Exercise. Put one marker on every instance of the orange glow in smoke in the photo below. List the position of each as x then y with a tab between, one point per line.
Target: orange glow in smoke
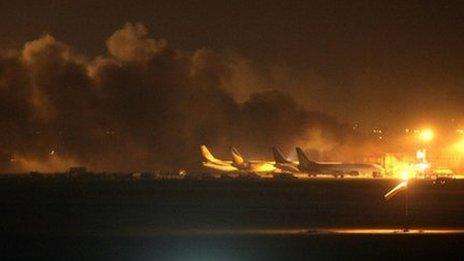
426	135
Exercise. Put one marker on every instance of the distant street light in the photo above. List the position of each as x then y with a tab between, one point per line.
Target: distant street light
426	135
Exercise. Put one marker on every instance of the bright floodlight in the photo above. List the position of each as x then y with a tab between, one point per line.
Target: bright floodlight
405	175
426	135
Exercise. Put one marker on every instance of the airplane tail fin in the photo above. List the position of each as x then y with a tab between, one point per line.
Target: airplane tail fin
278	156
206	154
236	156
304	161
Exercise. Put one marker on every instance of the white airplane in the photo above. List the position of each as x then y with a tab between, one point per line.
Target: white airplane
324	168
337	169
238	164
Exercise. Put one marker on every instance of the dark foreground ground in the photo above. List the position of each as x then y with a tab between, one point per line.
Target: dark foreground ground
226	220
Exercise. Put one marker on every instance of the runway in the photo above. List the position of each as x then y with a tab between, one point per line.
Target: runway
317	219
303	232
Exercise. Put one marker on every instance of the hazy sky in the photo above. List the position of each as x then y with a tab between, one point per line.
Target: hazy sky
372	61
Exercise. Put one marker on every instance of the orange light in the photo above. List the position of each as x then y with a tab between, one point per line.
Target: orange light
405	175
426	135
459	147
421	155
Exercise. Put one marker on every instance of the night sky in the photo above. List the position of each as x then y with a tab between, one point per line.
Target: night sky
378	63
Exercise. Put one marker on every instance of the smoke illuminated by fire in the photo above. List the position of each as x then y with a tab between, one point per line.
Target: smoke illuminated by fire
141	106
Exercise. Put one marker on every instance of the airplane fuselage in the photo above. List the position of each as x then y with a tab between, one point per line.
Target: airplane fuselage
288	167
256	166
351	169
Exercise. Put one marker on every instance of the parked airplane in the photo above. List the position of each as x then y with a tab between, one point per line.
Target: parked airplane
251	166
282	163
337	169
238	164
211	162
314	168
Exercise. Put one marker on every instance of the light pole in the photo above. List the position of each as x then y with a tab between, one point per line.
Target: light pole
403	186
425	137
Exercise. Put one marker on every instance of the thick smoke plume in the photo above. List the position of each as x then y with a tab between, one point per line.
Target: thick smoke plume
141	106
